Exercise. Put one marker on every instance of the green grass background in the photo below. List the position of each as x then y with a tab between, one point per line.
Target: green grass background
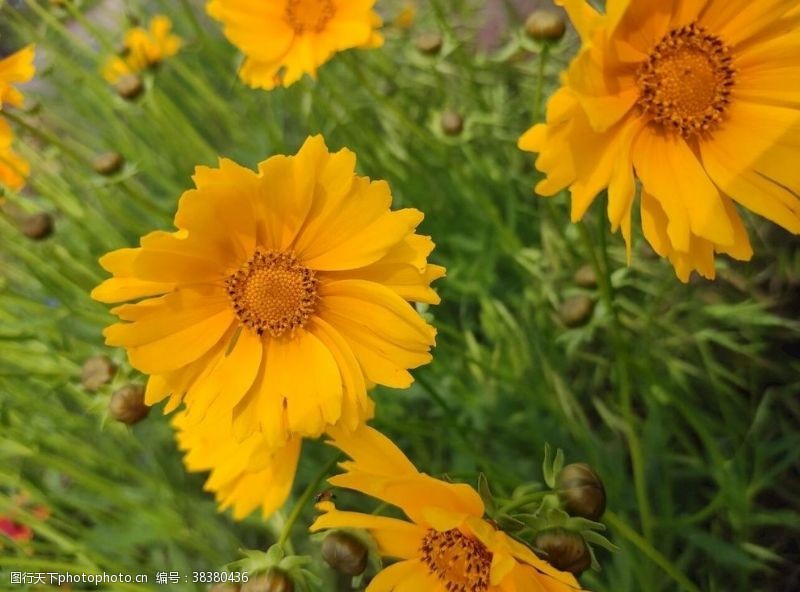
684	397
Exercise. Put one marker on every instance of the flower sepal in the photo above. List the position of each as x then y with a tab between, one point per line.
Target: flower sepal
273	564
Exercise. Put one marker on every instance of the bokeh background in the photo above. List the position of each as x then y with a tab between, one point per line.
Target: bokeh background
683	397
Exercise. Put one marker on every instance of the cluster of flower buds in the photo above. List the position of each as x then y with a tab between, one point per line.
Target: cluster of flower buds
560	523
273	571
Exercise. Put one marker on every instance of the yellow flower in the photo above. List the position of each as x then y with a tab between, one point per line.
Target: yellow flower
446	545
283	294
13	168
406	17
143	49
245	475
15	69
284	39
691	97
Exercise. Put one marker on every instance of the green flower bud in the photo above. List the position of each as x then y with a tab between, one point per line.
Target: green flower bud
581	491
344	553
108	163
225	588
452	123
564	550
576	310
97	371
127	404
129	87
37	226
545	25
275	580
585	277
429	43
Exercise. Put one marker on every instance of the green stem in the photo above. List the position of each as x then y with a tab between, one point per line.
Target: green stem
52	139
540	78
286	531
647	549
602	268
524	501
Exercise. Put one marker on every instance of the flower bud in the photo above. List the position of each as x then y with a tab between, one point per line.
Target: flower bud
545	25
97	371
37	226
576	310
564	550
127	404
129	87
344	553
429	43
585	277
108	163
225	588
452	123
581	491
274	580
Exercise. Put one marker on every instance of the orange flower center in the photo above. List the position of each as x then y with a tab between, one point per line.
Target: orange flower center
273	293
309	15
461	563
685	84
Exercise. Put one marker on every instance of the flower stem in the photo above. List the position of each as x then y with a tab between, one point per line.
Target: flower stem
537	98
286	531
524	501
602	268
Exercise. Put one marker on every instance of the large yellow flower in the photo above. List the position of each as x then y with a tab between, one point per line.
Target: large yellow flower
284	39
143	49
15	69
695	99
245	475
283	294
447	546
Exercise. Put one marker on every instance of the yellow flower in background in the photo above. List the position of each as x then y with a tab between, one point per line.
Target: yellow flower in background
245	475
694	99
13	168
143	49
281	297
446	545
284	39
17	68
406	17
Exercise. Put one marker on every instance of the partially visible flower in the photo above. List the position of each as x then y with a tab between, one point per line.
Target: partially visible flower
284	39
692	99
282	295
446	545
245	475
406	17
18	531
17	68
14	169
143	49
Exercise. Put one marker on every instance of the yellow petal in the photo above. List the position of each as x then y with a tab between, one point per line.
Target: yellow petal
672	174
